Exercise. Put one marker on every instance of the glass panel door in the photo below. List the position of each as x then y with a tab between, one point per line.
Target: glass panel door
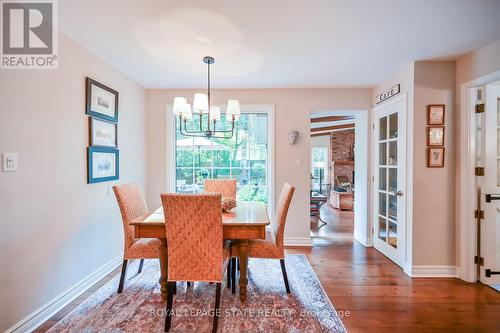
388	175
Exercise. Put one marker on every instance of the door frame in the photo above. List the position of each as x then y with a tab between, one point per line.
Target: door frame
407	156
468	184
362	170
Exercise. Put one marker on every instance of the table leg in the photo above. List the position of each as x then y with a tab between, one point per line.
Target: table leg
319	213
243	256
163	269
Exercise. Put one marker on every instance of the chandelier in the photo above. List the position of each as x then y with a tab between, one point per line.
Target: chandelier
203	109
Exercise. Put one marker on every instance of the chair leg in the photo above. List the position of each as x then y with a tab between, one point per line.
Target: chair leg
228	274
174	287
122	276
285	277
170	302
188	284
217	308
141	263
233	275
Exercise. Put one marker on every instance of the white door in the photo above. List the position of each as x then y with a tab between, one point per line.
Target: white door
389	140
490	187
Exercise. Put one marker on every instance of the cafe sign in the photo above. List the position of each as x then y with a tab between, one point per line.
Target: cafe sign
388	94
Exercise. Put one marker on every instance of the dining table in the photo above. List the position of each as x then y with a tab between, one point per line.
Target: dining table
247	221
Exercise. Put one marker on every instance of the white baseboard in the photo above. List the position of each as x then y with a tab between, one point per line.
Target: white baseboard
434	271
298	241
366	242
44	313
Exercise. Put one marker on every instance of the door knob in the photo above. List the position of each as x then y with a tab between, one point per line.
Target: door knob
398	193
491	197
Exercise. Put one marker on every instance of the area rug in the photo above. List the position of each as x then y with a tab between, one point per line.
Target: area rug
268	308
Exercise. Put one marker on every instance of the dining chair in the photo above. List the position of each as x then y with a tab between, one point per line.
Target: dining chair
133	205
225	187
196	251
272	247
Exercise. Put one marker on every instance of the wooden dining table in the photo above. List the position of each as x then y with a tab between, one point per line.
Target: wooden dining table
245	222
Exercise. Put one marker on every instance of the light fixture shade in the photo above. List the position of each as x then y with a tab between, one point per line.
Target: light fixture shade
215	113
200	103
179	105
188	115
233	109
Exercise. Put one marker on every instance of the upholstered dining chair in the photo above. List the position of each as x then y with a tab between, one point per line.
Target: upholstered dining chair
225	187
272	247
133	205
196	251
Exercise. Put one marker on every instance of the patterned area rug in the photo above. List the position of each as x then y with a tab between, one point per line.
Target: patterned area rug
268	308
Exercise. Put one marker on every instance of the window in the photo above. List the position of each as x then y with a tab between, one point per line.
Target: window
319	167
244	157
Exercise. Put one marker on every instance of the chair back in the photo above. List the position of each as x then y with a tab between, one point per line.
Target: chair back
282	211
132	205
194	236
225	187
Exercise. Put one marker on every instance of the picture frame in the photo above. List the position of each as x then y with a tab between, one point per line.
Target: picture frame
435	114
102	133
103	164
435	157
435	136
101	101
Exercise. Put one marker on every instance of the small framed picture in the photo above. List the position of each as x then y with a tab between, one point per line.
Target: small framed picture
102	133
435	114
101	101
435	157
102	164
435	136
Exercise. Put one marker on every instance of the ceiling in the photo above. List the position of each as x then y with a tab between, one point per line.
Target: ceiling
276	44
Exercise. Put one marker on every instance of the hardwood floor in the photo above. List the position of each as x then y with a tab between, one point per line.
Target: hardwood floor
374	295
381	298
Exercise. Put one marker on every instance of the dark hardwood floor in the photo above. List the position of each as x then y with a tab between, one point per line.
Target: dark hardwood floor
381	298
373	294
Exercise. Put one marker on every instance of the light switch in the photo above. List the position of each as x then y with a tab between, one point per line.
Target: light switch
299	162
9	162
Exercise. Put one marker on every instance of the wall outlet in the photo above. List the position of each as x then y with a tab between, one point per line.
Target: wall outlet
9	162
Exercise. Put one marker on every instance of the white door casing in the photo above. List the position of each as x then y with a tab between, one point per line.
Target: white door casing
490	185
389	169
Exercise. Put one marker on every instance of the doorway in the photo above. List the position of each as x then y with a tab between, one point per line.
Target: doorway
339	176
389	165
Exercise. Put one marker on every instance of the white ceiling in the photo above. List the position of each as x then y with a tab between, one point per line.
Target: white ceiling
280	43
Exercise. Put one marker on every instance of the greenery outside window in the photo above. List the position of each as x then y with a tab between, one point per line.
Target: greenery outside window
244	157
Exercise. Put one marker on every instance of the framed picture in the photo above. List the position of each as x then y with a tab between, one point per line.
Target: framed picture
101	101
435	157
102	164
102	133
435	114
435	136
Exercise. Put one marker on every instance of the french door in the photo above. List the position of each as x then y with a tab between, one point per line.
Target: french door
489	133
389	139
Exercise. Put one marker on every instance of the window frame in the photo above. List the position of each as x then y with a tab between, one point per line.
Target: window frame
268	109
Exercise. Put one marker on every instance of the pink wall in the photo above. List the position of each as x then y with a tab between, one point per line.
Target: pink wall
293	107
57	229
434	188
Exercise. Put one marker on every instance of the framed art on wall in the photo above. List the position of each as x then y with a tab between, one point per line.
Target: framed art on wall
435	136
102	133
435	114
102	164
101	101
435	157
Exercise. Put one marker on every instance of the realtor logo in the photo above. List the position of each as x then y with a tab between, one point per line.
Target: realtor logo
29	34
